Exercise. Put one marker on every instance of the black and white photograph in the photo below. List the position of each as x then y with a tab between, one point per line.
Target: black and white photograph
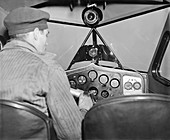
84	69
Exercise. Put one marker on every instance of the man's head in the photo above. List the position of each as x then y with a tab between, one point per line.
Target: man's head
29	24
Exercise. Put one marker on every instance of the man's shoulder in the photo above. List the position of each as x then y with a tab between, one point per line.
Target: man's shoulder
50	60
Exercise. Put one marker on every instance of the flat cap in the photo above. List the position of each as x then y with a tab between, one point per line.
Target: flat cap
25	19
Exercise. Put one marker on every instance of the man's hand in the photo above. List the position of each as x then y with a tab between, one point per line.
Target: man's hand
76	92
85	102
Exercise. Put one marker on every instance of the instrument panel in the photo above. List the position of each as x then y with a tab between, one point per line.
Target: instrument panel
104	82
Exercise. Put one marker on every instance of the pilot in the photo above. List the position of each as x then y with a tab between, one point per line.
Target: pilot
31	75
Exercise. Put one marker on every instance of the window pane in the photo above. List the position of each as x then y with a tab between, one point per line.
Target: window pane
165	65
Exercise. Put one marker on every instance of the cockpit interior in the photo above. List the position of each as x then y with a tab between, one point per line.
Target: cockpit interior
118	53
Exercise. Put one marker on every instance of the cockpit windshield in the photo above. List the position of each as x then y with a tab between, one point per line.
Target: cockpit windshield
95	53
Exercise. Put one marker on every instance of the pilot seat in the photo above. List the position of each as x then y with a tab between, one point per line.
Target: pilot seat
23	122
132	117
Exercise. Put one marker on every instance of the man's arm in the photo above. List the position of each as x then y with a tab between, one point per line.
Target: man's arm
63	108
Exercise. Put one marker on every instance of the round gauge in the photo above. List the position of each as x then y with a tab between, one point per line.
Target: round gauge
93	52
82	79
103	79
137	85
117	76
114	83
73	83
93	91
128	85
92	75
105	94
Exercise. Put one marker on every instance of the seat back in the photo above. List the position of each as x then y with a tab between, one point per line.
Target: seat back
18	121
135	117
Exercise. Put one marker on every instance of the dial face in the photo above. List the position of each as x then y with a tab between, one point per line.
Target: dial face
136	85
73	84
128	85
104	94
114	83
103	79
92	75
93	52
117	76
82	79
93	91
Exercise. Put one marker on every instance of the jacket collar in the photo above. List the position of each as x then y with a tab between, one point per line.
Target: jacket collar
20	44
